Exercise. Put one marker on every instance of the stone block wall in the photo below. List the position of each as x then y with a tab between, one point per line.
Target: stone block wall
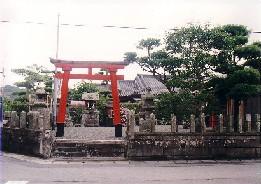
29	133
67	148
27	141
169	145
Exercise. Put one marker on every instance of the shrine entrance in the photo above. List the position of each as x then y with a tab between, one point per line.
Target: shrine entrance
67	66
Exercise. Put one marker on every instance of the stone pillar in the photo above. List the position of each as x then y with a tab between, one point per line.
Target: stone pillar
14	122
192	123
33	117
145	125
257	117
240	124
153	122
220	123
83	120
131	124
231	123
90	118
23	119
202	123
248	122
46	118
173	123
240	116
7	117
40	122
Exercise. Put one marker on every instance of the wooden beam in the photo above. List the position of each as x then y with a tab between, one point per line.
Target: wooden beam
88	64
88	76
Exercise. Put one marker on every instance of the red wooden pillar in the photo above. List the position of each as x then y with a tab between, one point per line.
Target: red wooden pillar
63	103
116	104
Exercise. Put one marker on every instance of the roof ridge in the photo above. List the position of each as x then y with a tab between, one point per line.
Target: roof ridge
142	81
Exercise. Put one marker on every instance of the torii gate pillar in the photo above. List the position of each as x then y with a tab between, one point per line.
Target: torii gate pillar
116	104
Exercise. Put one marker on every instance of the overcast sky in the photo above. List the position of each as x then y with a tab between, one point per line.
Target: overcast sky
23	44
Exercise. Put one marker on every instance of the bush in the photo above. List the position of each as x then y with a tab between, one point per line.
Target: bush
182	105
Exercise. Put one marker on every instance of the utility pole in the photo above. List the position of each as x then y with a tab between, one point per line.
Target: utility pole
55	91
2	97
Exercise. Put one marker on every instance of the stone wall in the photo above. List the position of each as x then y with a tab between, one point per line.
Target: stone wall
27	141
223	141
194	145
27	133
67	148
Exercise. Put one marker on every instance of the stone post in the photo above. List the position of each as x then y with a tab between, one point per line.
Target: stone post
231	123
23	119
257	117
248	122
192	123
47	117
220	123
240	116
33	117
173	123
14	122
144	126
7	117
40	122
202	123
240	124
131	124
153	122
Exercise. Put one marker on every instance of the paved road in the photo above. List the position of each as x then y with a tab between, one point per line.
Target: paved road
36	171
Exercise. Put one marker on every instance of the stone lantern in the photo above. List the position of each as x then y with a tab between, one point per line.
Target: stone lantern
90	116
147	106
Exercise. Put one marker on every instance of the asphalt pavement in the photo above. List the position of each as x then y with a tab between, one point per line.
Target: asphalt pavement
19	169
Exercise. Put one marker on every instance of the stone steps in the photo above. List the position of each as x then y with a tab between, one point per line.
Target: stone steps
70	148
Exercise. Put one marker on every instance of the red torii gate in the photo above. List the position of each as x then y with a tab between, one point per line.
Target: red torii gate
67	67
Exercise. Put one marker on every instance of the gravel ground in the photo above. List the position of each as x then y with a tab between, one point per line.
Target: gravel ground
104	133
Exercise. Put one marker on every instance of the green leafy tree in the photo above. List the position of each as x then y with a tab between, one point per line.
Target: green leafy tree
191	64
201	54
201	62
147	63
252	55
80	88
149	44
227	40
34	76
76	94
173	103
243	83
130	57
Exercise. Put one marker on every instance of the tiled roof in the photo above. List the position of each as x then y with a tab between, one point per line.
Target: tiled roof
103	87
137	86
149	81
127	87
141	84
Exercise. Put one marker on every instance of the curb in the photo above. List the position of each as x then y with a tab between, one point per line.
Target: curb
64	160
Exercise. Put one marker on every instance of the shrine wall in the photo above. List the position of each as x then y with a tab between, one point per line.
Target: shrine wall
29	133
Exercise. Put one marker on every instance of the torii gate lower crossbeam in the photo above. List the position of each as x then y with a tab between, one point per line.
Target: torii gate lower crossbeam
67	67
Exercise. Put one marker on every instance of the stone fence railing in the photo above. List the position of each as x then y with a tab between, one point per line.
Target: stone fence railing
229	139
36	120
223	126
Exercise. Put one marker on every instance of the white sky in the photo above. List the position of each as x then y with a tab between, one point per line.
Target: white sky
24	44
